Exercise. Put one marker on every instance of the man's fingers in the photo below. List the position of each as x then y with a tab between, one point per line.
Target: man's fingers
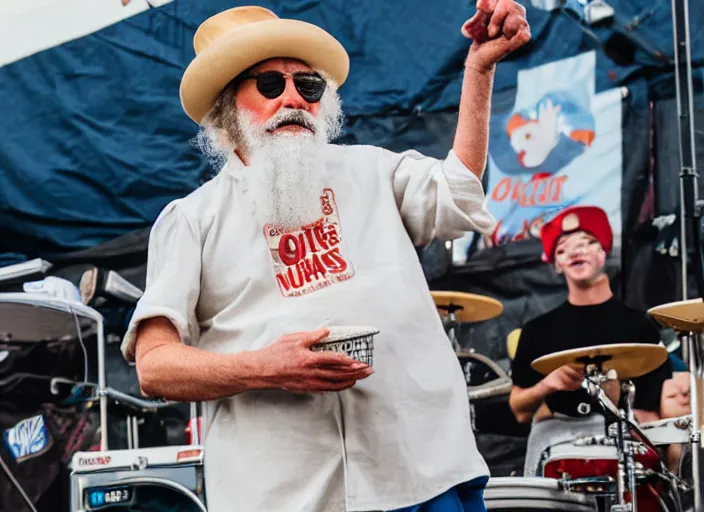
513	24
338	386
474	25
317	386
486	6
522	37
344	375
498	17
308	339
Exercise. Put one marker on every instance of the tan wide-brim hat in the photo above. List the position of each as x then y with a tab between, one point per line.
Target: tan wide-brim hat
235	40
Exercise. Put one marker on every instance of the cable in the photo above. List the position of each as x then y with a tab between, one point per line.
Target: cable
17	485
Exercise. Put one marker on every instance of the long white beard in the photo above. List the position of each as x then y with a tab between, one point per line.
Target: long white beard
286	175
286	180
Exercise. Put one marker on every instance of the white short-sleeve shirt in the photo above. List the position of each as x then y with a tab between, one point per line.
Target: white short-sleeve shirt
229	284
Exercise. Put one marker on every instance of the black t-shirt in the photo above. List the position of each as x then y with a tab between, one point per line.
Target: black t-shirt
568	327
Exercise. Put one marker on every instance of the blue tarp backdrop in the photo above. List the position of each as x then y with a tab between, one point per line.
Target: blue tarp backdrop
94	142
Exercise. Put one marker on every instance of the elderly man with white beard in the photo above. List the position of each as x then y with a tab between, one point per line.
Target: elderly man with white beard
296	237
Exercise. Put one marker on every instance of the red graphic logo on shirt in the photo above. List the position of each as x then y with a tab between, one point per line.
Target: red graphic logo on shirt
309	258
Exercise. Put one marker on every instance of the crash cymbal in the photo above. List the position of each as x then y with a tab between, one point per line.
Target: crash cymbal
468	307
630	360
684	316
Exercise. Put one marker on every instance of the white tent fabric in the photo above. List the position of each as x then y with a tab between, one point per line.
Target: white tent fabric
30	26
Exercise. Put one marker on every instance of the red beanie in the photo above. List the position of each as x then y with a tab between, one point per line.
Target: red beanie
590	219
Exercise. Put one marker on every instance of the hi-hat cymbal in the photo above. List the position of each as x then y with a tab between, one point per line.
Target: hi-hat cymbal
684	316
468	307
630	360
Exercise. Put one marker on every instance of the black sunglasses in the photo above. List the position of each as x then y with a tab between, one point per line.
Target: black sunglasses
272	84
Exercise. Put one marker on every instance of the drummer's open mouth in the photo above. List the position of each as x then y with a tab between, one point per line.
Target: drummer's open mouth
578	263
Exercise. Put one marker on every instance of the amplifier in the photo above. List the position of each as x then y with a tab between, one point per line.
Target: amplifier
148	479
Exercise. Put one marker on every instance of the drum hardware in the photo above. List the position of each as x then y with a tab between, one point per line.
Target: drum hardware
691	213
450	324
626	472
686	317
474	364
509	494
455	307
629	360
595	487
669	430
594	441
603	364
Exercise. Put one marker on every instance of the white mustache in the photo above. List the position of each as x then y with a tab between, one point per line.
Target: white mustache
296	116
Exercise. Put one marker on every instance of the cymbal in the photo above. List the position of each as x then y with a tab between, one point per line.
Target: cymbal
630	360
468	307
685	315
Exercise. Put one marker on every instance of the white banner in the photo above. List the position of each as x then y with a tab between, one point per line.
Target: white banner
559	146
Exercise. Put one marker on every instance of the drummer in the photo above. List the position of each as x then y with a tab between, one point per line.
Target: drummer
577	242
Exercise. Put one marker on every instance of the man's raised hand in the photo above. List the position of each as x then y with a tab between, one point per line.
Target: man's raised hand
496	29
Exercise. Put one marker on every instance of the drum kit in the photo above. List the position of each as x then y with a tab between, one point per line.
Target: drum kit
624	468
621	470
484	377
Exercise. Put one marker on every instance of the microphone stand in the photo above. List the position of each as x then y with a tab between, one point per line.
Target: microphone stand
690	215
690	205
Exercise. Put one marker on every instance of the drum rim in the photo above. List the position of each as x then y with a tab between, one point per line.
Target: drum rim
545	491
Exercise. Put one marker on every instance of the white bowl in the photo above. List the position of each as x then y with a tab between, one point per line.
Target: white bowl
356	342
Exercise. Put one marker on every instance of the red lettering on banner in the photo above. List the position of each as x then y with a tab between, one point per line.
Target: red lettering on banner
501	190
540	191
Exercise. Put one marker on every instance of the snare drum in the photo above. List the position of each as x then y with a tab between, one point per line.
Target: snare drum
507	494
591	469
143	480
582	459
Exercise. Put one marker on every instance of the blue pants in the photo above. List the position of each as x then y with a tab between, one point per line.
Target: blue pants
466	497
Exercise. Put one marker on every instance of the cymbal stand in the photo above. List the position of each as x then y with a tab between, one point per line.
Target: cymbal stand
692	345
625	447
690	210
450	324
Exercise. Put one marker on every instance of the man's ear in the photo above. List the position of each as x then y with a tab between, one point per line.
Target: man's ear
558	270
